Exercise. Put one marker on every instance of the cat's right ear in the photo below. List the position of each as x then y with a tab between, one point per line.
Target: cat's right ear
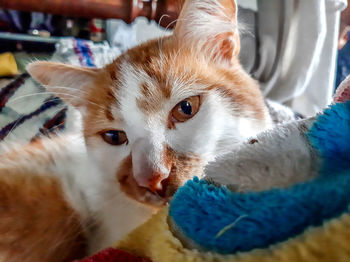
71	83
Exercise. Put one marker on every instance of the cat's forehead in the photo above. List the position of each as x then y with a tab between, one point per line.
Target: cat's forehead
143	83
151	79
151	75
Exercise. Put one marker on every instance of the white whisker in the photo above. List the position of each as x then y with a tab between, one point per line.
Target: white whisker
28	95
159	39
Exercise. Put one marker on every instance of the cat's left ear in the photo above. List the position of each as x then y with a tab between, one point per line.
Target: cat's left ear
71	83
210	27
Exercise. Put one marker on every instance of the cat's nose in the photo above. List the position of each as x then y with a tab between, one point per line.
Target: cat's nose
153	180
149	170
155	183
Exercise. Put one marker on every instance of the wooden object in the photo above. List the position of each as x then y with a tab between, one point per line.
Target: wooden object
126	10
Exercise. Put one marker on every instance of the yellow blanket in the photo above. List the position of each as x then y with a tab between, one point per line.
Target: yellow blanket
328	243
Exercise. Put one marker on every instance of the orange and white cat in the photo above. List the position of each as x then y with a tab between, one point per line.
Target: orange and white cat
150	120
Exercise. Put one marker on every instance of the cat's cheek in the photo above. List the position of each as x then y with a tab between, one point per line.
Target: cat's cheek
107	157
206	129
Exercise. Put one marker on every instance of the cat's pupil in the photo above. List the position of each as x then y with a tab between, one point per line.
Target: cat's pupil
113	136
186	107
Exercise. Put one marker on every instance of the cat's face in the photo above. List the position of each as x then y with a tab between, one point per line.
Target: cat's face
154	117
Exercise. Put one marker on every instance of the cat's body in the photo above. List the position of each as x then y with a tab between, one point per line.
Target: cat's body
151	120
50	182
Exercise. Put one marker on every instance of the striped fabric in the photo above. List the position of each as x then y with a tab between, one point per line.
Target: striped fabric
27	111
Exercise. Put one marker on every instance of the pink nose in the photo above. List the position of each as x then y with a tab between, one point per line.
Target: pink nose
155	181
148	166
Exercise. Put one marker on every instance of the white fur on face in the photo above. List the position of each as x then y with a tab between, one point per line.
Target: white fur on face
107	157
115	213
213	131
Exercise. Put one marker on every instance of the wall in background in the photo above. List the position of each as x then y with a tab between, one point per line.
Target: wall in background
251	4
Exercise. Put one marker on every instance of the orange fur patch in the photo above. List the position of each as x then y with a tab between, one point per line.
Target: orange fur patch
36	223
183	168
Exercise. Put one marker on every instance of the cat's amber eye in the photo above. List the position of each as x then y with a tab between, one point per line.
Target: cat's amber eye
114	137
186	109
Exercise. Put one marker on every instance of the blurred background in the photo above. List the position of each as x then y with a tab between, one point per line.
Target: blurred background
298	50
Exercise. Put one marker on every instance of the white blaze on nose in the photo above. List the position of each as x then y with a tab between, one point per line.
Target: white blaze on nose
147	164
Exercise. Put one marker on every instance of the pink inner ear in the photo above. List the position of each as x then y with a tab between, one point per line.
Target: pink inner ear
343	92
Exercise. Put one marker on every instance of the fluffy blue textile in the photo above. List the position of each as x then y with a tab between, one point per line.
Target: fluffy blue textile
330	136
257	220
202	210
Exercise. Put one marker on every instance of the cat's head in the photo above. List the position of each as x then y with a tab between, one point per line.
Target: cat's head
156	115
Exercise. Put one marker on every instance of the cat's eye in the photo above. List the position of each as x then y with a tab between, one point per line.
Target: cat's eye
186	109
114	137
